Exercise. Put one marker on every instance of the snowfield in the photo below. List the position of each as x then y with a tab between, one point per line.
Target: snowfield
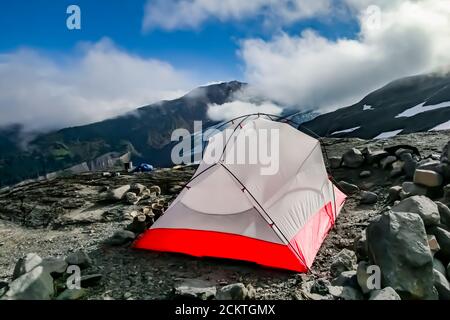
422	108
388	134
346	130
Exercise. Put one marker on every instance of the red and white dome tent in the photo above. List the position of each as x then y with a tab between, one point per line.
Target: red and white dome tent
230	210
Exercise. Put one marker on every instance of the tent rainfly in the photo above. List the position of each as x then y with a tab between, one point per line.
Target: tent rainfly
231	210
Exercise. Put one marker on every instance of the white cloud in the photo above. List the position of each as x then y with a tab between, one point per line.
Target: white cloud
231	110
309	70
179	14
44	92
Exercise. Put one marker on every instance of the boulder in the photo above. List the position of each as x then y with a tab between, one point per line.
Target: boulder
348	187
335	162
442	286
26	264
397	169
432	165
235	291
422	206
345	293
387	162
412	189
79	258
384	294
444	213
368	197
343	261
394	193
353	158
346	279
433	244
375	156
34	285
362	276
194	289
54	266
365	174
118	193
439	266
121	237
409	166
428	178
443	238
397	243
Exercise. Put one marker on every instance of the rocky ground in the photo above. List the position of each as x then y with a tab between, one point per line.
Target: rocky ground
90	220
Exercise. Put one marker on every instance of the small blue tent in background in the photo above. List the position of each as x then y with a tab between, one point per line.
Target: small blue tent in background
144	167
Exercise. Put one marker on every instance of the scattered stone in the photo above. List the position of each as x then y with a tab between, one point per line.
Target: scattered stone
236	291
343	261
412	189
362	276
398	245
410	165
353	158
394	193
376	156
442	286
132	198
118	193
335	162
139	224
368	197
443	238
365	174
432	165
348	187
251	292
79	258
444	213
195	289
307	286
106	174
433	244
72	294
446	190
320	286
401	151
439	266
345	293
427	178
387	162
26	264
422	206
121	237
155	189
34	285
360	246
90	280
137	188
387	293
346	279
54	266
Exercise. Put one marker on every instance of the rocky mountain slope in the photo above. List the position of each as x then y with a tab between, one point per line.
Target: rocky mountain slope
395	218
413	104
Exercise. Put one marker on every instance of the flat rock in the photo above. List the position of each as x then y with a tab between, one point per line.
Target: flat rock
345	293
384	294
368	197
353	158
72	294
348	187
427	178
195	289
422	206
79	258
34	285
117	194
26	264
121	237
343	261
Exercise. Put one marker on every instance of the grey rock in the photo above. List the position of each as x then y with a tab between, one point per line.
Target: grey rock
26	264
72	294
362	276
320	286
432	165
132	198
410	164
360	246
365	174
54	266
427	178
335	162
444	213
398	245
343	261
448	271
384	294
443	238
368	197
422	206
79	258
446	190
442	286
121	237
439	266
195	289
345	293
412	189
376	156
137	188
394	193
401	151
346	279
90	280
353	158
387	162
235	291
348	187
118	193
34	285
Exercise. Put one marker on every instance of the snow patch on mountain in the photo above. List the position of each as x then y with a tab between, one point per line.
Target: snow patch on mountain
346	130
388	134
422	108
442	126
367	107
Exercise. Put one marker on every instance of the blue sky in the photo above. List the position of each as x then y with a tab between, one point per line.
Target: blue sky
214	47
307	54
